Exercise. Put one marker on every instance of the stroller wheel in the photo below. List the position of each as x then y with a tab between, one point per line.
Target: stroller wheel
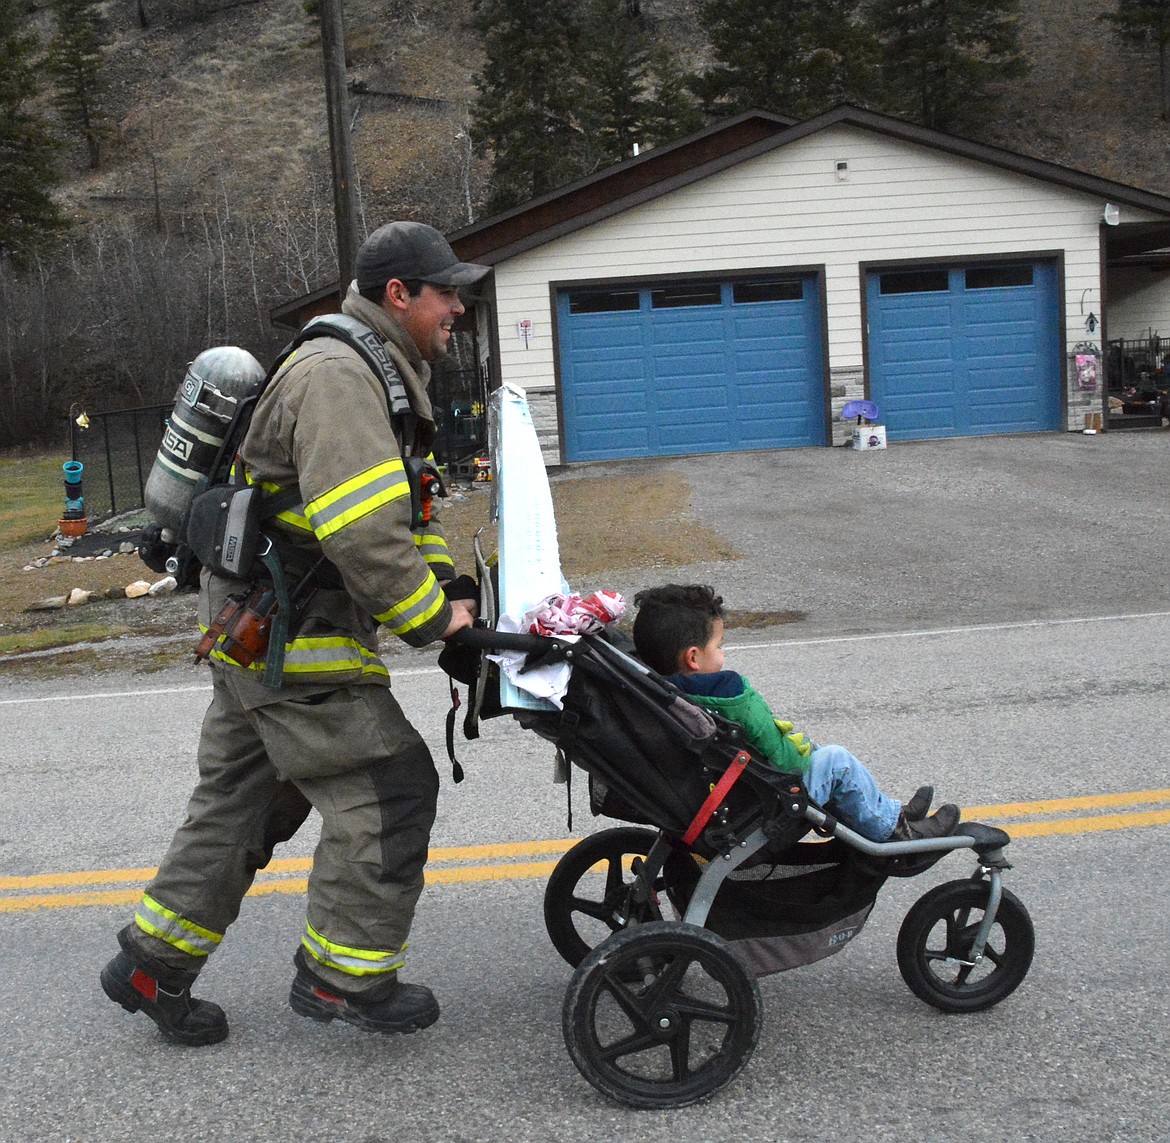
661	1015
936	938
581	911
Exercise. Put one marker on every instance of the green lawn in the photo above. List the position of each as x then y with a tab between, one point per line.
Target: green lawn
32	498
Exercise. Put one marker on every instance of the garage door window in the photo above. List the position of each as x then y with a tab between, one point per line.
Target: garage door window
744	293
998	277
696	294
914	282
602	301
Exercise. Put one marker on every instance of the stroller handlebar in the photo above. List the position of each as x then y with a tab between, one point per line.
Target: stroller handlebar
485	639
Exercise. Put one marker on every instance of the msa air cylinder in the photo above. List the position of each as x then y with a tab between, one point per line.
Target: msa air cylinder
214	384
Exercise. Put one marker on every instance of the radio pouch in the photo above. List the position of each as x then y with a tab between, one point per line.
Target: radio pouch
223	528
224	531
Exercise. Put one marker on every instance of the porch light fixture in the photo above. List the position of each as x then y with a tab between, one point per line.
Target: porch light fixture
1112	214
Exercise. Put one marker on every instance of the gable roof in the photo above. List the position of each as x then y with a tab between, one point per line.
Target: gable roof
665	169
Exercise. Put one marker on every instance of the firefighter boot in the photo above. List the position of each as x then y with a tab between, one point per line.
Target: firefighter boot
137	981
393	1007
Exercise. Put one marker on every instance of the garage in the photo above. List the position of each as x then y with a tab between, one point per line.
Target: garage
695	366
965	350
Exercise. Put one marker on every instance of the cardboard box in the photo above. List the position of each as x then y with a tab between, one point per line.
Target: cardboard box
867	437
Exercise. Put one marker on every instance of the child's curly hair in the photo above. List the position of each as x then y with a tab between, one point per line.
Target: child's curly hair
672	618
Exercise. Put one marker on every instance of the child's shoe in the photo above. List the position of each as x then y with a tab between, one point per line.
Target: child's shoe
915	809
941	823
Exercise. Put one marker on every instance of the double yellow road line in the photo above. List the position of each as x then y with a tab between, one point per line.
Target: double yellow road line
506	862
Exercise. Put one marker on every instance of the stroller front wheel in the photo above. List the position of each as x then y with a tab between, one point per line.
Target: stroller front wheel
937	935
661	1015
581	911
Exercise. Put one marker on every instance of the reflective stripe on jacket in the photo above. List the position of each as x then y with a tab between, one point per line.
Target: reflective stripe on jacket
323	427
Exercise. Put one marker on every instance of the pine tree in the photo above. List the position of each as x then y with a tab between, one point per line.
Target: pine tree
613	63
27	146
945	61
75	59
794	57
672	111
529	94
1146	25
568	88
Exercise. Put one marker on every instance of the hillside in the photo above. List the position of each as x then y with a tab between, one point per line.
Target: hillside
230	108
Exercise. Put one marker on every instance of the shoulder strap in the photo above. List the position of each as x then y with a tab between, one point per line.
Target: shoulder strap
369	345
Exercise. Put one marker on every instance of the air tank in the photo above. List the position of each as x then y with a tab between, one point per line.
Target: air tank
215	382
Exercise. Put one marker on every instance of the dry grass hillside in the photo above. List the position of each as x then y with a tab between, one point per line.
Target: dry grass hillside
233	104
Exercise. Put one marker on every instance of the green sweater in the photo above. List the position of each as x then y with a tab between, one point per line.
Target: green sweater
729	694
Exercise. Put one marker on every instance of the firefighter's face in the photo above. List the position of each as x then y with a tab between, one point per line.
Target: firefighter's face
428	316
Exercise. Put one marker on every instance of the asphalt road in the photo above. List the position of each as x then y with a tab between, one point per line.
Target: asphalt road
1009	670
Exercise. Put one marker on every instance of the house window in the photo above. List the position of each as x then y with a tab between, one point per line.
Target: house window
776	290
997	277
692	294
602	301
914	282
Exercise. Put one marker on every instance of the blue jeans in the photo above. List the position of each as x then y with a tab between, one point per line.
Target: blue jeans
841	784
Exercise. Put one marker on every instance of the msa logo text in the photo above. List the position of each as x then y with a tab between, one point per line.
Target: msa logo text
229	555
840	937
175	444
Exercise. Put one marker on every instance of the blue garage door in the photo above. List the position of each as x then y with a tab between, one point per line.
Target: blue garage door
965	350
691	368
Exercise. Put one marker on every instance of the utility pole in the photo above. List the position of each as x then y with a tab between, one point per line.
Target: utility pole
340	148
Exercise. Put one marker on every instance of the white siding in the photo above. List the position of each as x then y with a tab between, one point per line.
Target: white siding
788	209
1139	303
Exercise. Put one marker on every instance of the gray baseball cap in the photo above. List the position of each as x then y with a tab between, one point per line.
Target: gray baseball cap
406	250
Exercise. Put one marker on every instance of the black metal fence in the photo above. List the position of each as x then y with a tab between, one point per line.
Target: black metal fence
459	398
117	451
118	448
1140	363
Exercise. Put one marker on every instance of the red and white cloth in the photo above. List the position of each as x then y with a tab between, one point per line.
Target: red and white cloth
574	615
568	616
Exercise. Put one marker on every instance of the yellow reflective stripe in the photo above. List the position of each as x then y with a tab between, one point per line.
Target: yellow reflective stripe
433	549
294	520
417	609
353	961
165	924
357	497
289	516
323	654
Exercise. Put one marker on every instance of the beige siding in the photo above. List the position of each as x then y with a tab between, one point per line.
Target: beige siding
1139	303
788	209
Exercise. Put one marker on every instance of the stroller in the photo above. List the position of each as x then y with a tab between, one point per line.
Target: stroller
716	880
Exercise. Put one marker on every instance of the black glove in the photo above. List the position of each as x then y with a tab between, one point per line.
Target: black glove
461	587
152	550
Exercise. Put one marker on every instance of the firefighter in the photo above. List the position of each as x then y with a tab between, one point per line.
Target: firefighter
331	735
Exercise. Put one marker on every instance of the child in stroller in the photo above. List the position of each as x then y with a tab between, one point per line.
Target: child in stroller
679	633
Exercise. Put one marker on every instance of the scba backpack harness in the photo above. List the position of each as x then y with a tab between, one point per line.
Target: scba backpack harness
225	524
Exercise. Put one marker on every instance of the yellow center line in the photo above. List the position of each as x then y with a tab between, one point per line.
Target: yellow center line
453	865
1061	805
281	865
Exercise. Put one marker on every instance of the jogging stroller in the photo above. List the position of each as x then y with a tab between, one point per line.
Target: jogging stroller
717	881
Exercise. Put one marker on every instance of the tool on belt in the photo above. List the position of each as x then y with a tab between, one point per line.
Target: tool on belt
267	615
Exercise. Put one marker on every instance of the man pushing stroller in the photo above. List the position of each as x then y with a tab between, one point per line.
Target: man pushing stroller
678	632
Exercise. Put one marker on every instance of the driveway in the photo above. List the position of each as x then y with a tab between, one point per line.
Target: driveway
932	533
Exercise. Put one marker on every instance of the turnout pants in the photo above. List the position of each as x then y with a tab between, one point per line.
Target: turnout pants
264	758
